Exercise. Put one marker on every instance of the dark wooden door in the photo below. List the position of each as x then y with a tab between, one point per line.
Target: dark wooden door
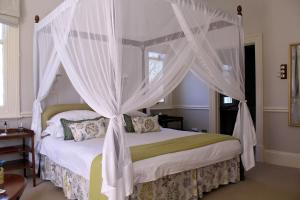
229	106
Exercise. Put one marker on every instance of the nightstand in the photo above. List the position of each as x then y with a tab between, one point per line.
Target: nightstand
23	149
164	120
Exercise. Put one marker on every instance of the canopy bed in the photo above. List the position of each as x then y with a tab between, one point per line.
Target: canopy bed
73	167
104	46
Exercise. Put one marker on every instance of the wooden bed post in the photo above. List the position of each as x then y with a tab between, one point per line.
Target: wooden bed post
239	10
242	170
36	19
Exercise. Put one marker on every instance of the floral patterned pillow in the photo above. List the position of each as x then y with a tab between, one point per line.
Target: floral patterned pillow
145	124
88	129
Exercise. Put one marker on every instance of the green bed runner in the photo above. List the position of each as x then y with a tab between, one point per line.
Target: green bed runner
142	152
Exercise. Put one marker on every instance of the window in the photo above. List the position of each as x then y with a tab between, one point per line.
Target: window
228	100
156	64
9	71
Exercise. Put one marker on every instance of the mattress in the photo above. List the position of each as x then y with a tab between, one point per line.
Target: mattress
78	156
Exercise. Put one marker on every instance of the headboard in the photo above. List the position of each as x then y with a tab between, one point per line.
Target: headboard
54	109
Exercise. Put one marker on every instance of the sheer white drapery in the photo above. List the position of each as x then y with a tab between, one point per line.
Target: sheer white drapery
104	47
219	62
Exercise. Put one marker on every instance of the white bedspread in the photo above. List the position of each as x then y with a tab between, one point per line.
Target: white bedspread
78	156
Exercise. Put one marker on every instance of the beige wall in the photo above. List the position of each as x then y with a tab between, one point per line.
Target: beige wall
281	27
278	21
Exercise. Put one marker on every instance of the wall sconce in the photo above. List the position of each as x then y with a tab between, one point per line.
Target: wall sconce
283	71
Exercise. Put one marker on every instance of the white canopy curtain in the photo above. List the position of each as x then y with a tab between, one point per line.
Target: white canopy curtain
219	62
104	47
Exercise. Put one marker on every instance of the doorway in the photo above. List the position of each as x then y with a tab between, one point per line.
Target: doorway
228	106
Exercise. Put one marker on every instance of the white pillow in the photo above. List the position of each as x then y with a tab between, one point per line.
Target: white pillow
54	127
73	115
54	130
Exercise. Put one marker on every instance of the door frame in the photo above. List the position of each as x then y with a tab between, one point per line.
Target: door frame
214	114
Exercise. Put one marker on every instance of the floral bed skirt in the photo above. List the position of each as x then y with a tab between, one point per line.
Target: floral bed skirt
73	185
188	185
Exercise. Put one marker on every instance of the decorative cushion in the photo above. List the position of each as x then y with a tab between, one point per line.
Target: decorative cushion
88	129
128	124
146	124
66	123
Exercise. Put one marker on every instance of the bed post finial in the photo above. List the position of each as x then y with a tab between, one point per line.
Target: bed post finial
36	19
239	10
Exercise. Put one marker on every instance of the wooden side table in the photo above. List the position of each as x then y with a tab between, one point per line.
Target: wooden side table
24	149
164	120
14	185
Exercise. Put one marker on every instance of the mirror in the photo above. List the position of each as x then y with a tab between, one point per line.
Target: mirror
294	85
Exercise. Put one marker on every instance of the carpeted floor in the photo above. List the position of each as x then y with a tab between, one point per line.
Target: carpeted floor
264	182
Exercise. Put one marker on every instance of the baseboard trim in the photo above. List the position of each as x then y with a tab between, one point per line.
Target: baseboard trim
282	158
259	154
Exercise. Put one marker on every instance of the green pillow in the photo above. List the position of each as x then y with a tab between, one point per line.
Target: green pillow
67	131
128	124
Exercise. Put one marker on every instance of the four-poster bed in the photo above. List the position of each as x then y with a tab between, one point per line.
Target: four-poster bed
103	46
74	172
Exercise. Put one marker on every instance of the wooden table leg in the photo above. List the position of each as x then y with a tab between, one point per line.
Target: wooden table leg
181	121
33	161
24	155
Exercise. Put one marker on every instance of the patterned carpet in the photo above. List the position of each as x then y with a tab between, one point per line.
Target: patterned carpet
264	182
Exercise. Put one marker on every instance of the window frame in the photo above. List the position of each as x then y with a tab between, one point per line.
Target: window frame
11	74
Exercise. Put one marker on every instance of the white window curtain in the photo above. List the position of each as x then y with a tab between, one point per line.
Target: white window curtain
9	12
94	41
